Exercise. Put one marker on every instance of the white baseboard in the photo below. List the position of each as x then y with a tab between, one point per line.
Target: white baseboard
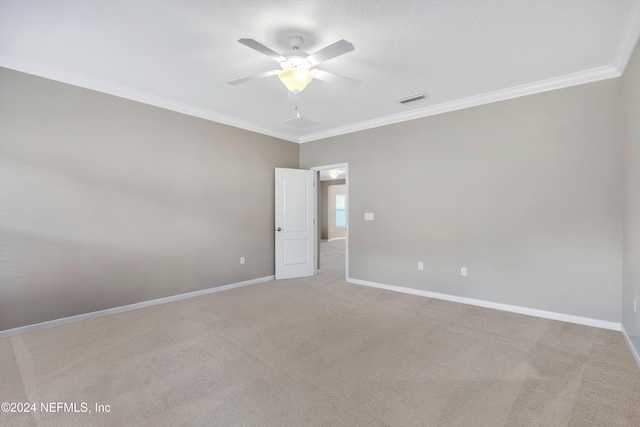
336	238
604	324
114	310
634	351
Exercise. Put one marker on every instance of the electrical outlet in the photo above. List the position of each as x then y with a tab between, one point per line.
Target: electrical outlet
420	266
463	271
241	260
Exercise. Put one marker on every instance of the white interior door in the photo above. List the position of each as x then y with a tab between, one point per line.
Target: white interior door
295	223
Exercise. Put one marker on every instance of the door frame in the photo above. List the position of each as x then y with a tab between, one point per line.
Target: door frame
346	234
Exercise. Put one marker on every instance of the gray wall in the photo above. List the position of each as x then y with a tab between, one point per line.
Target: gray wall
526	193
106	202
631	288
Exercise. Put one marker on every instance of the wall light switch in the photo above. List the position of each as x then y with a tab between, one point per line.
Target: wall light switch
241	260
463	271
368	216
420	266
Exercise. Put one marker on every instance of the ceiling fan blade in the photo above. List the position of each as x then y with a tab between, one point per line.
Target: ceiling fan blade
262	49
338	48
328	77
255	77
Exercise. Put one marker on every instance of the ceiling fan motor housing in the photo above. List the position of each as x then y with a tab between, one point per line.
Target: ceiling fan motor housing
297	66
295	59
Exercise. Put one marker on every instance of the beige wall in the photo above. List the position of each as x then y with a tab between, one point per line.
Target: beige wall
526	193
334	231
631	288
107	202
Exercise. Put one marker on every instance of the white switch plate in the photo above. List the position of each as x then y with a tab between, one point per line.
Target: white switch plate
635	305
420	266
368	216
241	260
463	271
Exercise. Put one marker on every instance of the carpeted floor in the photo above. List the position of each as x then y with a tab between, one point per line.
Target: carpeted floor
321	352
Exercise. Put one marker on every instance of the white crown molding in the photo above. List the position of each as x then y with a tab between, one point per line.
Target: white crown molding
634	351
139	96
574	79
604	324
588	76
629	39
121	309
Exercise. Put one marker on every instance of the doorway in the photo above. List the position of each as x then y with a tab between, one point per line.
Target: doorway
332	228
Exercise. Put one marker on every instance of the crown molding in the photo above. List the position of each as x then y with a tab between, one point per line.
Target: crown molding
574	79
629	39
138	96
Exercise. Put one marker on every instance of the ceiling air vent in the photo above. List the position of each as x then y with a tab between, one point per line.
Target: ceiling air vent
412	98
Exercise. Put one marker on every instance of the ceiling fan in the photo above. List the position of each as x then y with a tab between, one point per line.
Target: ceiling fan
298	67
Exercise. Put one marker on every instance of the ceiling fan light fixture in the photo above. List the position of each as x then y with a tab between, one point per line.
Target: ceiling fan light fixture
295	79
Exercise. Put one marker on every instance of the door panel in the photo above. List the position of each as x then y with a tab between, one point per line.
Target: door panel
295	251
294	227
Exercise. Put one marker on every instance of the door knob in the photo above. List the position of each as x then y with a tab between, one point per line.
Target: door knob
279	229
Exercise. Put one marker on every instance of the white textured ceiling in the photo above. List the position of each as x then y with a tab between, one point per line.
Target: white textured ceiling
181	54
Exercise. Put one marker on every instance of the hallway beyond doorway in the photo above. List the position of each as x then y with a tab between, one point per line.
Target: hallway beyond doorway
332	261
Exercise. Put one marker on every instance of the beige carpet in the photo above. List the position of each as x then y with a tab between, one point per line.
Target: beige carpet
321	352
